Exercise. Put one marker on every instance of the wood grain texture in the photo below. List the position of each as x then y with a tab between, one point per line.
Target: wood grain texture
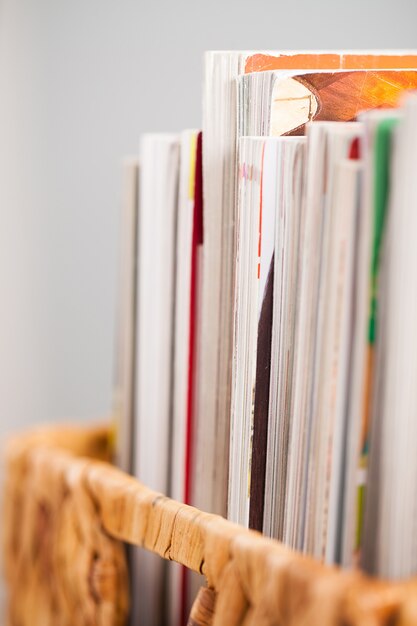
66	516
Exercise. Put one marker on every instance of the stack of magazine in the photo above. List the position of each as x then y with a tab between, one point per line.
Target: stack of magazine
266	363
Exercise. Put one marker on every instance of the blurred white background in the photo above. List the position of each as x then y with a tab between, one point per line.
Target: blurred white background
79	80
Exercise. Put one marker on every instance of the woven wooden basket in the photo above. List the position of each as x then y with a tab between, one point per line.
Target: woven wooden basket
68	512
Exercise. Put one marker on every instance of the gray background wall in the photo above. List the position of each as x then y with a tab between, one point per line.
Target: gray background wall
79	80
